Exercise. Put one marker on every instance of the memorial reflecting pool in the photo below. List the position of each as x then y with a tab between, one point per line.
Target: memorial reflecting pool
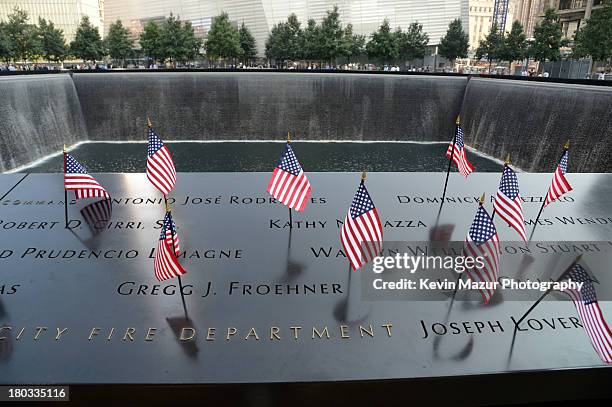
263	156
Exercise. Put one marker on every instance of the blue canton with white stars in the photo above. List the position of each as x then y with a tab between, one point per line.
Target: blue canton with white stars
509	183
168	225
580	275
155	143
73	166
563	163
289	162
362	202
482	228
458	137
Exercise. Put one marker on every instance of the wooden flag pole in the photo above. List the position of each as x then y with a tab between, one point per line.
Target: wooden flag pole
169	211
450	161
290	214
576	260
65	193
535	224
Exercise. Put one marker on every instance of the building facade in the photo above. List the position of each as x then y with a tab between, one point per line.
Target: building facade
261	15
65	14
480	20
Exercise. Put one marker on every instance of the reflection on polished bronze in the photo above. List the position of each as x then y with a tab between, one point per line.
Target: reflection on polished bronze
177	324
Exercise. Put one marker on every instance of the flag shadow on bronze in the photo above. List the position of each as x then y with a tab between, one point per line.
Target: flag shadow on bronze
177	324
346	310
293	269
6	347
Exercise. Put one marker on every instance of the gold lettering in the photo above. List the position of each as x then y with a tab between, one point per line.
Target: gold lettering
129	333
210	335
231	331
8	328
388	325
94	332
183	337
60	333
369	332
295	330
111	333
274	330
150	334
20	333
39	330
320	334
344	331
253	333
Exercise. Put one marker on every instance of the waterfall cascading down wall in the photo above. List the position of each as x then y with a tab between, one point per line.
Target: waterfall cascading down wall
530	120
265	105
38	115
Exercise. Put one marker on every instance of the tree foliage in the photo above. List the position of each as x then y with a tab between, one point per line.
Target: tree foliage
515	43
223	40
455	42
331	36
353	45
285	39
492	46
247	44
87	43
118	42
52	41
310	42
412	44
547	38
178	40
595	39
150	41
383	44
21	37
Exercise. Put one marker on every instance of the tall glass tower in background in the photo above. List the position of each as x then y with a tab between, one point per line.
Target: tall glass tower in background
65	14
261	15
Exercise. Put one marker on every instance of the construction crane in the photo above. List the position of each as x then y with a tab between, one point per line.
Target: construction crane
500	14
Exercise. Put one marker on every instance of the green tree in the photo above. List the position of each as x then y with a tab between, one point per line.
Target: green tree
87	43
310	43
247	44
223	40
383	44
595	38
285	40
4	46
455	42
150	42
53	43
353	44
492	46
332	36
413	43
22	38
191	43
547	38
118	42
515	44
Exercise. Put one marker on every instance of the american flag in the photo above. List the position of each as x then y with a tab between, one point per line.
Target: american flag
459	157
362	233
78	180
482	241
559	185
593	321
508	202
160	167
166	263
97	215
288	183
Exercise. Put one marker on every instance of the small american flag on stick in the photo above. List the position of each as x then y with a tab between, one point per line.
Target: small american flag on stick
97	215
78	180
166	263
593	321
508	202
559	185
362	232
456	151
482	241
288	183
160	166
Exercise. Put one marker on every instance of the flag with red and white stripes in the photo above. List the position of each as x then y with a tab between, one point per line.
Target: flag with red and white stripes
482	241
160	167
459	156
288	183
166	262
593	321
508	202
78	180
559	185
362	232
